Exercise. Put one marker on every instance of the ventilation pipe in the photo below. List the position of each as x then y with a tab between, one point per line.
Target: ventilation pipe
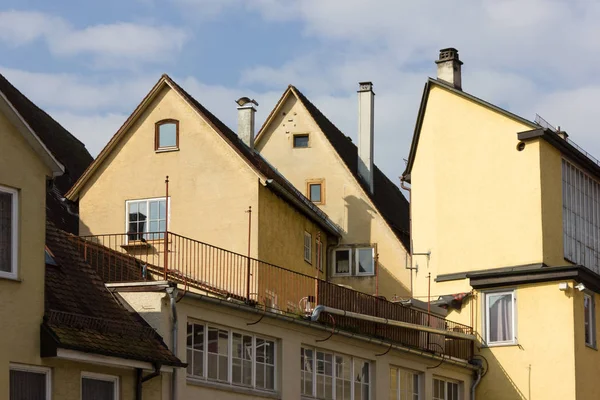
366	115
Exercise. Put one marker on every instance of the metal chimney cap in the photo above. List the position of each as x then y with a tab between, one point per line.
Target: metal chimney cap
365	86
448	54
242	101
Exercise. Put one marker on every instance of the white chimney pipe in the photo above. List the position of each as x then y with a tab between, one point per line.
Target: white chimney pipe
366	109
246	113
449	67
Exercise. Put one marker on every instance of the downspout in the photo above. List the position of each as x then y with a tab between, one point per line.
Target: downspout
172	292
477	380
410	233
141	379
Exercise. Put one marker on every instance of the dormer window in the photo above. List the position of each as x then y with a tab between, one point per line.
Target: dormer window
166	135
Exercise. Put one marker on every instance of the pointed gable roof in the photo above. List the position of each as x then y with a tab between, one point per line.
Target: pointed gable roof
274	180
387	197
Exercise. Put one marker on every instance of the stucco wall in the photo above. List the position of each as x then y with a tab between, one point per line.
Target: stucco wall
542	364
210	186
345	201
22	305
587	359
475	199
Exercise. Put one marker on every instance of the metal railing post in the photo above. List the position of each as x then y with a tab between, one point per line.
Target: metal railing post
248	266
166	238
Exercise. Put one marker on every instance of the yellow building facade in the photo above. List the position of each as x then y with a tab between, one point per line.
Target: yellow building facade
501	218
214	180
325	165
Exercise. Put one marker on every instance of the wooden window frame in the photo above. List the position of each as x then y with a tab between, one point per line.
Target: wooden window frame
320	182
157	126
14	263
295	135
100	377
307	235
591	314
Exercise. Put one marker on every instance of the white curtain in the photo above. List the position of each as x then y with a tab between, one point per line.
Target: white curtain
500	314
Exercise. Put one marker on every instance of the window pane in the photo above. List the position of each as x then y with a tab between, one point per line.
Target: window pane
315	192
500	317
167	135
27	385
198	337
306	360
365	261
342	261
300	140
6	226
94	389
394	395
153	210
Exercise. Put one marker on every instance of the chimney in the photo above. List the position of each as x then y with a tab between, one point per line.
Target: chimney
448	67
366	107
246	112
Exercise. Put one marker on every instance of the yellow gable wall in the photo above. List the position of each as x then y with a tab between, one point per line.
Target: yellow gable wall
210	186
475	199
345	202
22	301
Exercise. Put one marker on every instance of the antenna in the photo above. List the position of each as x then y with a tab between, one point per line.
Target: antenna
544	124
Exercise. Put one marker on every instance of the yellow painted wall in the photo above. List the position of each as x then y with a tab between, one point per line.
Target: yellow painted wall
542	364
345	201
66	380
587	359
475	199
22	301
291	337
210	186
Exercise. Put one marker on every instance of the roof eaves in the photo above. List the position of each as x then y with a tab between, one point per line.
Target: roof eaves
34	141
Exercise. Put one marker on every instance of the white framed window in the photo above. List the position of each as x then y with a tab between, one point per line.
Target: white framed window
354	260
166	134
365	261
99	386
405	384
146	218
589	308
327	375
445	389
500	317
231	357
29	382
308	247
9	237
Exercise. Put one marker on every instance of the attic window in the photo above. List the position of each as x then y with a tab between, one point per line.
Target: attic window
301	141
166	135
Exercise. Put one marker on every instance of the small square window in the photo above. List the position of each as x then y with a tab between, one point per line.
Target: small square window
341	261
166	135
300	141
315	192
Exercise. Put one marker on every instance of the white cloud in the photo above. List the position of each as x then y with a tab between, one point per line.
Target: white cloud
120	44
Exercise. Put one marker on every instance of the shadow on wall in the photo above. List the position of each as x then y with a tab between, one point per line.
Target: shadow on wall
360	217
497	384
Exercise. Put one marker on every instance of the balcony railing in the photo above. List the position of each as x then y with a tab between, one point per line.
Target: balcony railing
209	269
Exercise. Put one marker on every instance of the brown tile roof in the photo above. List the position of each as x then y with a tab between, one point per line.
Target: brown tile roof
81	314
388	199
69	151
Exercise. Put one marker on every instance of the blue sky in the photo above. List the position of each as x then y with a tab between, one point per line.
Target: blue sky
89	63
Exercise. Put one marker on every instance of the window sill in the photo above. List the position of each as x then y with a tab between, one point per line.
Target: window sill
590	346
232	388
10	277
166	149
352	276
512	344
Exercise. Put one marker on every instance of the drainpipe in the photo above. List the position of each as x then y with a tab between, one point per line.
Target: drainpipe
141	379
478	379
172	292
